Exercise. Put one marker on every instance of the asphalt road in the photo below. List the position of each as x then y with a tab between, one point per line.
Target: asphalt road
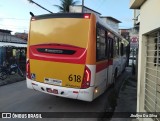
17	98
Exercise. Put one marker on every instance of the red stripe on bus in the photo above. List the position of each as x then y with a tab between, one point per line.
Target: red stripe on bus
110	62
103	65
79	57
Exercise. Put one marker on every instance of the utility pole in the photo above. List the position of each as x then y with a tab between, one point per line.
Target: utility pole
82	6
31	1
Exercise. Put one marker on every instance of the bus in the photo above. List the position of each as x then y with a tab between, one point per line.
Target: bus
73	55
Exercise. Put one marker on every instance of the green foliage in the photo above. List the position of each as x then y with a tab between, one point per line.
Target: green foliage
64	6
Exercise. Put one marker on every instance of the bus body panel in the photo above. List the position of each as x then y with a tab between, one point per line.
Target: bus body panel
123	60
57	73
74	93
69	31
100	82
81	94
117	66
59	34
60	50
104	77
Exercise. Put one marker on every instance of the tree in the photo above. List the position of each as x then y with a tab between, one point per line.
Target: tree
31	1
64	6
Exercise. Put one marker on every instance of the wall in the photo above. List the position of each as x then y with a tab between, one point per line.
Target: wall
10	38
150	16
78	9
150	21
111	23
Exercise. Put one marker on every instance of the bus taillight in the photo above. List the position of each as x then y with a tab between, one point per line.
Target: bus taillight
86	78
28	70
87	16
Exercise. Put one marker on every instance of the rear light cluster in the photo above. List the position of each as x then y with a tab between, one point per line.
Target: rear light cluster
86	78
28	74
87	16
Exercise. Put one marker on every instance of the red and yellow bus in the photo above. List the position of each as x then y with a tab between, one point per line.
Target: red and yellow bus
73	55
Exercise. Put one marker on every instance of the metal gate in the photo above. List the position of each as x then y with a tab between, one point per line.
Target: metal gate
152	74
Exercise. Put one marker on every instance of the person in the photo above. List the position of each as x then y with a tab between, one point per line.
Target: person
5	63
12	61
12	65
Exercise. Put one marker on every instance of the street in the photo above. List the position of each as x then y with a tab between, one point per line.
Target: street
17	98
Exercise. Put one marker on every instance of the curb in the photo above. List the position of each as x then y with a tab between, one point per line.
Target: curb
12	79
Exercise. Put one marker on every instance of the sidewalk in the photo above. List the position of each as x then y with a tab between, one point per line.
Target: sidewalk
12	79
127	98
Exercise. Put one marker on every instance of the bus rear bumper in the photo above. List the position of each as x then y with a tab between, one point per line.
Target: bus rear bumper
80	94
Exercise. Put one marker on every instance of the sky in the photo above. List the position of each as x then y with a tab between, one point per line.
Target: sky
14	14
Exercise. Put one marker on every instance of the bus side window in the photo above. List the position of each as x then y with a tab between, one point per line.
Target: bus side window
100	44
110	46
116	47
122	49
107	45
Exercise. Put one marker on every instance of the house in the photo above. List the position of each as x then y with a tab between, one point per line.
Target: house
78	9
11	46
111	22
23	36
147	20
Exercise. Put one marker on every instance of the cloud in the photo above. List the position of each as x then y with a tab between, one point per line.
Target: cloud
25	2
13	25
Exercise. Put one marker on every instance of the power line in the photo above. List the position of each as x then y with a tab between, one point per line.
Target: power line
31	1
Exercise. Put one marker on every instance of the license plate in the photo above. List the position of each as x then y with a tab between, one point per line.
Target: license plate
52	91
55	91
53	81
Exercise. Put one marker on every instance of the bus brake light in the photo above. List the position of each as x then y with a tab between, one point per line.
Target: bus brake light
86	78
87	16
33	19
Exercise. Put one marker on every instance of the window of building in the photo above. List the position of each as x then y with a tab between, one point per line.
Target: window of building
152	73
157	51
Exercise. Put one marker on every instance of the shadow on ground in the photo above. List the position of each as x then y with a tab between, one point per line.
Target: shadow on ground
12	79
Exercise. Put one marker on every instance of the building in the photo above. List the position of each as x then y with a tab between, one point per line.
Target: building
11	46
23	36
112	22
125	33
131	35
148	94
78	9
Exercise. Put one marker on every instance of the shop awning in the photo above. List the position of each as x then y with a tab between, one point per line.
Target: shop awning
6	44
